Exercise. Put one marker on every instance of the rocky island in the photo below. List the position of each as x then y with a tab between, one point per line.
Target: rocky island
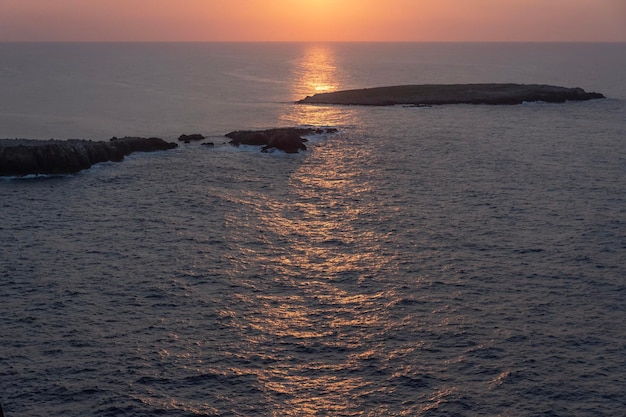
436	94
286	139
19	157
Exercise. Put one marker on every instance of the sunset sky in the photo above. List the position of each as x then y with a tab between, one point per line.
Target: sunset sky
313	20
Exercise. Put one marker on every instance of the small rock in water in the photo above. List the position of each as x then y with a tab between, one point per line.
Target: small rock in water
286	139
189	138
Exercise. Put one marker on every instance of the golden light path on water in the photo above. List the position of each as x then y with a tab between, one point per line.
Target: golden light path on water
322	324
320	258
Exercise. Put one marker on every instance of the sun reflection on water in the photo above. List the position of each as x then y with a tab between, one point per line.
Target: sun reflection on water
317	72
313	315
309	249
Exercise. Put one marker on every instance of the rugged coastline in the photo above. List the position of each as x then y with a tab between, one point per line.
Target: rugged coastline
20	157
438	94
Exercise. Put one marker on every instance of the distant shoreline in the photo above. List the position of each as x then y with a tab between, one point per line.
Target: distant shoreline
440	94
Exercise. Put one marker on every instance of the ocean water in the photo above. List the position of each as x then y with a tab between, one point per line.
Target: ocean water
442	261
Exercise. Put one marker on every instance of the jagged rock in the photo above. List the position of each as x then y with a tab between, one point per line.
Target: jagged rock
434	94
128	145
287	139
24	157
192	137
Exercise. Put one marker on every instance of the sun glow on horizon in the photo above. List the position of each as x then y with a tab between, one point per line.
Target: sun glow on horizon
313	20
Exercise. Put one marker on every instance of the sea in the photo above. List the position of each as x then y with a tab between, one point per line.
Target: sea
459	260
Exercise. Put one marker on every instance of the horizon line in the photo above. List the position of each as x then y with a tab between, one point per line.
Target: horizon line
324	41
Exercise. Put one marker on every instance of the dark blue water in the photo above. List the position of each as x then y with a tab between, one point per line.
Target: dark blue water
457	260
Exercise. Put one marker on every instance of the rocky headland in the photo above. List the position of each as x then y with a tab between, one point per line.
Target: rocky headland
437	94
287	139
19	157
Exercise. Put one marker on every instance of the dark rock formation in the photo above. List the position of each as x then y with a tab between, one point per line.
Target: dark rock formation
24	157
433	94
288	139
192	137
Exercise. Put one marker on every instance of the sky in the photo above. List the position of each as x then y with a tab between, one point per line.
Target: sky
314	20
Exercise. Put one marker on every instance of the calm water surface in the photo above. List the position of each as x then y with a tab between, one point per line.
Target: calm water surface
455	260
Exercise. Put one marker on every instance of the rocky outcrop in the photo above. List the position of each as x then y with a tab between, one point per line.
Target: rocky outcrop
287	139
20	157
190	138
435	94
